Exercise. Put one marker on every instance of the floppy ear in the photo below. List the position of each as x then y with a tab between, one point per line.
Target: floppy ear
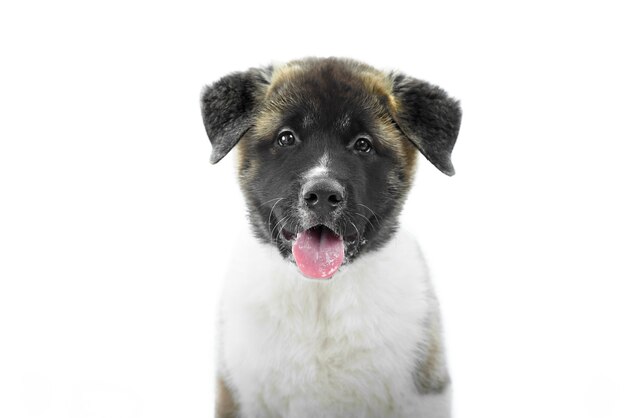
229	106
429	118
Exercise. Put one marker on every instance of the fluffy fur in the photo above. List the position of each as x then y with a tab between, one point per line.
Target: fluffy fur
366	343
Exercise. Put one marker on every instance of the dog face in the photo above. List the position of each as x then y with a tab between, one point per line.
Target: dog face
327	152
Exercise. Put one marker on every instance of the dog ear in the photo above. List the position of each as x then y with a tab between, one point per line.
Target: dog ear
428	117
229	106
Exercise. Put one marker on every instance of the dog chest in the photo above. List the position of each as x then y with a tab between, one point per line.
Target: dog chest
293	345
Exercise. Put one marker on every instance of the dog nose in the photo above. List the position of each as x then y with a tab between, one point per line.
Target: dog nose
322	195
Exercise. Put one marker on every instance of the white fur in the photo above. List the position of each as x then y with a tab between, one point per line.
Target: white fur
347	347
320	169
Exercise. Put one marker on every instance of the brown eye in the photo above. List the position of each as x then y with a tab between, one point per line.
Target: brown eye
363	145
286	139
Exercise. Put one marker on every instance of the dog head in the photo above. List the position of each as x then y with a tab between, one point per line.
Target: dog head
327	152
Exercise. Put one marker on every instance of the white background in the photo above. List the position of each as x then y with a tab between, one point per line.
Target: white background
115	230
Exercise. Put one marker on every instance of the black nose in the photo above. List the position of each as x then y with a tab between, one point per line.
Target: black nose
322	195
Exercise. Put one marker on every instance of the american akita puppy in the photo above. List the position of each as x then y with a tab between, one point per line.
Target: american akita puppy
330	312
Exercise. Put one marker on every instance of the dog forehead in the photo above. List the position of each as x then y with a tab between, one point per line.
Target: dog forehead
327	88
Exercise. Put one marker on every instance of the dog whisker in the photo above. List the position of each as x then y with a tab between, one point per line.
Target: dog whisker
275	226
358	235
269	218
295	224
364	217
373	213
271	200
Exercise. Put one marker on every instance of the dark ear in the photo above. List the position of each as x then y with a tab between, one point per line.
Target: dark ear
229	106
429	118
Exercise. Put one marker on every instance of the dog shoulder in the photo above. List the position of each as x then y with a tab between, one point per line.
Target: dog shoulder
225	406
430	373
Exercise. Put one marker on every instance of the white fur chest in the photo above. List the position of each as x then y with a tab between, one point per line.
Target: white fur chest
347	347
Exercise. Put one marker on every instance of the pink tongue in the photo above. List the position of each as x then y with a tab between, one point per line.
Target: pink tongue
318	252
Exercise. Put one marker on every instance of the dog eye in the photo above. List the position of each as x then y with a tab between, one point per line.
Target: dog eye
363	145
286	139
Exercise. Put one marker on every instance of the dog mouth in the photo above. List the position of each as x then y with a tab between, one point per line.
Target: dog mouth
318	251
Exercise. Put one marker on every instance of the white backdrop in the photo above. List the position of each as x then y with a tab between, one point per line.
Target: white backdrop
115	230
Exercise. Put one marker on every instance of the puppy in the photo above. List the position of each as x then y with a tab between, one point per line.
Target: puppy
328	310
